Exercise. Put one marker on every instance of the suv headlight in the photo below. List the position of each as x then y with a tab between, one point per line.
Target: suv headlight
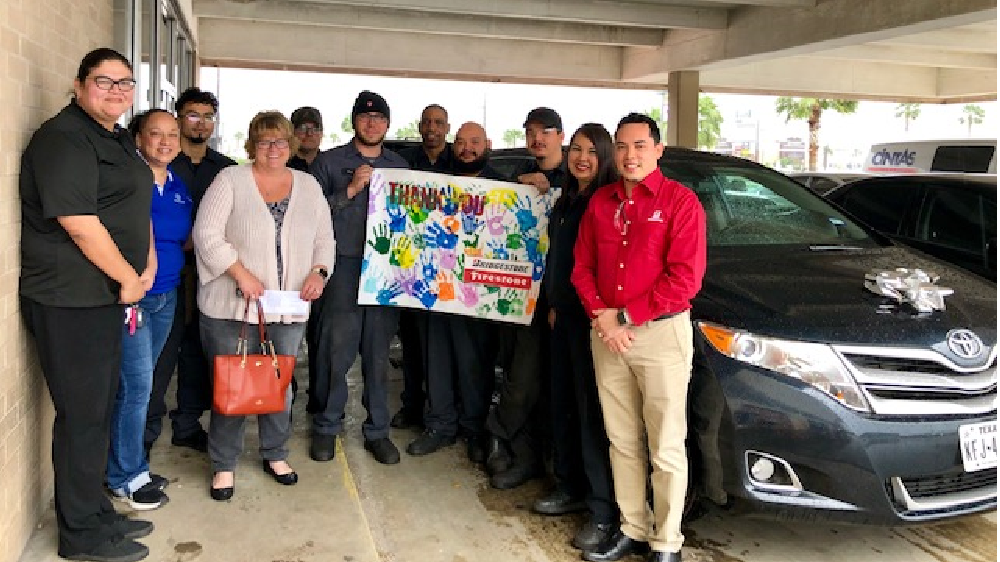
813	363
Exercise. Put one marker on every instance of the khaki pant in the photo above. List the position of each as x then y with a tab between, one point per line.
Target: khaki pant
644	392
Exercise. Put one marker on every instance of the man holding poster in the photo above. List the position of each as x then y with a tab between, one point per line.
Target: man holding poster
344	327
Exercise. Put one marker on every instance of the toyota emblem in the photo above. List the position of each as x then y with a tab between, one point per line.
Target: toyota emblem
964	343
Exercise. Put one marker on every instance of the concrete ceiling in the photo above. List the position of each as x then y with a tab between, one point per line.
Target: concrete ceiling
907	50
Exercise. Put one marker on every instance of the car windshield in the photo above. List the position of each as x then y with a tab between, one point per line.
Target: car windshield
750	205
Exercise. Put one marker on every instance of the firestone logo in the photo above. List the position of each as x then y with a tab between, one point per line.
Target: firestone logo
898	158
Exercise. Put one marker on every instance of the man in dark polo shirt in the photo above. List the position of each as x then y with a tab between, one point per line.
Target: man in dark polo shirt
308	126
432	155
197	165
516	456
345	328
85	250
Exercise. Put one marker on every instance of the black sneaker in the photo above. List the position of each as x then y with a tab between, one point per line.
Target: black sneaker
429	441
133	528
145	498
405	419
197	441
160	481
116	549
383	450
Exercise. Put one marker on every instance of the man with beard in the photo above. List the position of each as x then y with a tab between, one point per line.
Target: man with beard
308	124
460	348
344	327
196	165
432	155
515	453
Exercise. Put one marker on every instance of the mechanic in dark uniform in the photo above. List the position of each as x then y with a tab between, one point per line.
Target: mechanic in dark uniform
196	165
345	328
433	154
460	349
516	454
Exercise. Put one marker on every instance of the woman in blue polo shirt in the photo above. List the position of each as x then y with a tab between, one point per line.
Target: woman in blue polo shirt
148	323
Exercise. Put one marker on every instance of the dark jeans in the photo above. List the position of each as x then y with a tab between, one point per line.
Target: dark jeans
458	356
345	329
523	358
80	354
225	433
580	458
413	326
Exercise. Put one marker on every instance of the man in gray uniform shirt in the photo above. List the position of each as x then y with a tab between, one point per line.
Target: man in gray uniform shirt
344	328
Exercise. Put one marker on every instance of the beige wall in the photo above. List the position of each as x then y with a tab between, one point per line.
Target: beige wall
41	44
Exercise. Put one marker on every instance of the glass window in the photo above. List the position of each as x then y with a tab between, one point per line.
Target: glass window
972	159
822	186
954	219
880	205
750	205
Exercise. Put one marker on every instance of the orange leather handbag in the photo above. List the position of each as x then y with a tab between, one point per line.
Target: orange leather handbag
247	384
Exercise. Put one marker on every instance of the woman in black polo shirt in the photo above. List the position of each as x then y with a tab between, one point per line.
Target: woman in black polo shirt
85	251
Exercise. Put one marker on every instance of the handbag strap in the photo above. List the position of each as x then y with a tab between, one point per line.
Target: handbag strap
266	345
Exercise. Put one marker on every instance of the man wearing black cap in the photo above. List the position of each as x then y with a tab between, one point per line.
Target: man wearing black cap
345	328
308	125
515	456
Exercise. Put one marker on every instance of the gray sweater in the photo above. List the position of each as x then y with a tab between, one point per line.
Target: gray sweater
234	223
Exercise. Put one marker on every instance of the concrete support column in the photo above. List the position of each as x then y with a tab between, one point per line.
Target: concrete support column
682	109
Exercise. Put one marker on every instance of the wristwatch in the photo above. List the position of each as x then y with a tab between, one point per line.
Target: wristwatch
623	319
321	271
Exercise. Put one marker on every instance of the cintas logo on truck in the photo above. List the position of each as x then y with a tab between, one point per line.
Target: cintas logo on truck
896	158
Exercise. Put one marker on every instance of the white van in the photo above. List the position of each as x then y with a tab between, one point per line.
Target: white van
914	157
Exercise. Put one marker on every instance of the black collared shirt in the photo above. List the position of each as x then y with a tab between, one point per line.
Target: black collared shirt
197	177
557	176
417	158
74	166
298	163
334	169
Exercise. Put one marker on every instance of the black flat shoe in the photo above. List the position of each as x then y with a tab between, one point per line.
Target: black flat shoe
285	479
221	494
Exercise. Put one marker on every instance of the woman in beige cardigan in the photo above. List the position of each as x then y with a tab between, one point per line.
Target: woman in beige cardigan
260	226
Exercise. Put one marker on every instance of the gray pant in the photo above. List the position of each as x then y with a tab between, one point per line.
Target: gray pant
225	433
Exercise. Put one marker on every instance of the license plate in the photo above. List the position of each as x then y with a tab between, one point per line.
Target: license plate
978	442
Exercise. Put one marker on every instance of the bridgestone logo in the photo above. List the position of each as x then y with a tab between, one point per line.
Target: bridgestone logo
498	273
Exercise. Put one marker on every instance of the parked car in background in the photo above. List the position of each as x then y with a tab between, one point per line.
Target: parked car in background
822	183
950	216
971	156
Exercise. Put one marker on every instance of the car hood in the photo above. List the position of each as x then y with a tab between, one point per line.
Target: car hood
820	296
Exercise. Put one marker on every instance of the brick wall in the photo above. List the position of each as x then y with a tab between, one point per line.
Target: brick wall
41	44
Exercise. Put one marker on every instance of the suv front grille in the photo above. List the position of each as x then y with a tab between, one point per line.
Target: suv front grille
943	493
932	486
920	382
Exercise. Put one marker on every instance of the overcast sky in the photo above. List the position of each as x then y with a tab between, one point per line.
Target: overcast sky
503	106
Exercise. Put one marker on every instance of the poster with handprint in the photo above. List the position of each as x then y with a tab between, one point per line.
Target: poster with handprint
455	244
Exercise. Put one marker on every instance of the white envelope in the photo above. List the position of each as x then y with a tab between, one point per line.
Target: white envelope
284	302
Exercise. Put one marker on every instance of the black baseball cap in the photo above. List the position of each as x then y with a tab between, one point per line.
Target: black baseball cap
307	114
369	102
544	116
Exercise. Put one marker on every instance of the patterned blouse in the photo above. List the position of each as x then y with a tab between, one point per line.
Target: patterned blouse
278	210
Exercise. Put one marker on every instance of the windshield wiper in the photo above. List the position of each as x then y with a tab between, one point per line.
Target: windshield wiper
832	247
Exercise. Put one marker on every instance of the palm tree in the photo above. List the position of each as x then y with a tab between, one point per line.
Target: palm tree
810	110
346	125
709	122
656	114
511	136
973	115
408	131
334	138
909	112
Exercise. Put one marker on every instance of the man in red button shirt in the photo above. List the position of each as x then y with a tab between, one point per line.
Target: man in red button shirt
639	260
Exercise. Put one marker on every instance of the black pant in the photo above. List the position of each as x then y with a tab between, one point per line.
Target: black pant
580	459
80	354
459	356
523	355
413	336
344	329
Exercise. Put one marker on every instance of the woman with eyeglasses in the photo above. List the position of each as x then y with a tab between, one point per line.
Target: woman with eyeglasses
86	253
261	226
580	443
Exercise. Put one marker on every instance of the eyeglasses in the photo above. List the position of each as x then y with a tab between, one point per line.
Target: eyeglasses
373	117
194	117
309	130
620	220
277	143
106	83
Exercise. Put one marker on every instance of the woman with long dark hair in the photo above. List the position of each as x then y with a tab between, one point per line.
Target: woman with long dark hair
580	444
86	252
